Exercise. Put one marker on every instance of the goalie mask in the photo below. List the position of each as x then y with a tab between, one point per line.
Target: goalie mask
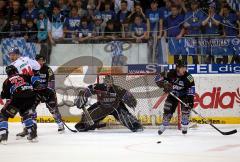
108	80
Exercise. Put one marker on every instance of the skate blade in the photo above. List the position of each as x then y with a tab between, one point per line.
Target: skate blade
61	132
4	142
19	137
34	140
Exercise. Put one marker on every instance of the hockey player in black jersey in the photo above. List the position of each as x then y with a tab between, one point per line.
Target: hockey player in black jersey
46	94
18	90
181	83
111	100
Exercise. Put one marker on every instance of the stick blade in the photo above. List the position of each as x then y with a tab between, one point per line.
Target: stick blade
230	132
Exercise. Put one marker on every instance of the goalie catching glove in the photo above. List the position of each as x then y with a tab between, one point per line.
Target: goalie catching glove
81	100
129	100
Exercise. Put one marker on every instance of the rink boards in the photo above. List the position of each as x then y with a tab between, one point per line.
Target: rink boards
217	97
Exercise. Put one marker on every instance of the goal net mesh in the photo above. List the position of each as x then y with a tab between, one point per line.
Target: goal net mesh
150	99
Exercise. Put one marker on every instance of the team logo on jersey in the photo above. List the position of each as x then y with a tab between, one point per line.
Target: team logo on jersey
190	78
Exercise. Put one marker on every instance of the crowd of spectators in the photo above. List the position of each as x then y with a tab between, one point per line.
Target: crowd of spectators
139	20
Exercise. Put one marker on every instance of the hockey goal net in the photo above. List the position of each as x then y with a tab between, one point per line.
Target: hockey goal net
150	99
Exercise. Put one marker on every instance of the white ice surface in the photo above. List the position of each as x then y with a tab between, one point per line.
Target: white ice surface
202	144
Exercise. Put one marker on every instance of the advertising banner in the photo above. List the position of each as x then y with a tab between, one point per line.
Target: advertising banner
204	46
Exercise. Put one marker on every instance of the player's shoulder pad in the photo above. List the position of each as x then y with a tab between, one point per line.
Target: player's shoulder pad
189	77
172	73
118	88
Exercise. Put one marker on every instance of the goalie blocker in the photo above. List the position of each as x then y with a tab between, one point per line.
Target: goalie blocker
111	100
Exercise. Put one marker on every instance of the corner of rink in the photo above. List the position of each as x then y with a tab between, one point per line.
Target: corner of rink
200	144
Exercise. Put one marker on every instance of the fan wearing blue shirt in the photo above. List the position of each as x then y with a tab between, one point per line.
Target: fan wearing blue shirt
229	22
107	14
230	29
212	22
165	12
85	30
211	28
193	23
139	29
194	19
72	23
173	26
153	16
30	13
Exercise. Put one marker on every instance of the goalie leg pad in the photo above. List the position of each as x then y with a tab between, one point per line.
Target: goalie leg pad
127	119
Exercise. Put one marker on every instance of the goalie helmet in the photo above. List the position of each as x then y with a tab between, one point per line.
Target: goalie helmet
10	70
108	79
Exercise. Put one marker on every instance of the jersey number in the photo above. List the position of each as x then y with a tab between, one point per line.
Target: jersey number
27	71
18	81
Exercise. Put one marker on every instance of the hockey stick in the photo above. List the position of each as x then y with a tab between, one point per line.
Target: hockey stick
75	131
88	117
204	119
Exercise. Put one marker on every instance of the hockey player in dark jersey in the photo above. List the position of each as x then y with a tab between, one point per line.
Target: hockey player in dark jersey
46	94
181	83
18	90
47	91
111	100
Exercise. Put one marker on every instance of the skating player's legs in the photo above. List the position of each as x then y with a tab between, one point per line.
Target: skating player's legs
169	108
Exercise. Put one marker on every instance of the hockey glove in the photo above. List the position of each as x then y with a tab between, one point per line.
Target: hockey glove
167	87
190	101
81	101
129	100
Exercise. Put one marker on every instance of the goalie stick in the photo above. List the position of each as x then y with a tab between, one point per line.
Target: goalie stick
204	119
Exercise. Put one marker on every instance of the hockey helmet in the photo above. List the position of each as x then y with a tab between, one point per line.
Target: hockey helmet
40	57
181	63
14	50
108	79
10	70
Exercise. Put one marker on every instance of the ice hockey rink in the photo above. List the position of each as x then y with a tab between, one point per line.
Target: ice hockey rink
201	144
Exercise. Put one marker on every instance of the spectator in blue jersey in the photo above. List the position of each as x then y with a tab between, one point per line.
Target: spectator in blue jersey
193	25
194	19
30	13
55	28
153	16
165	11
85	30
137	11
173	26
107	14
139	30
42	27
123	13
211	28
229	20
72	23
212	22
